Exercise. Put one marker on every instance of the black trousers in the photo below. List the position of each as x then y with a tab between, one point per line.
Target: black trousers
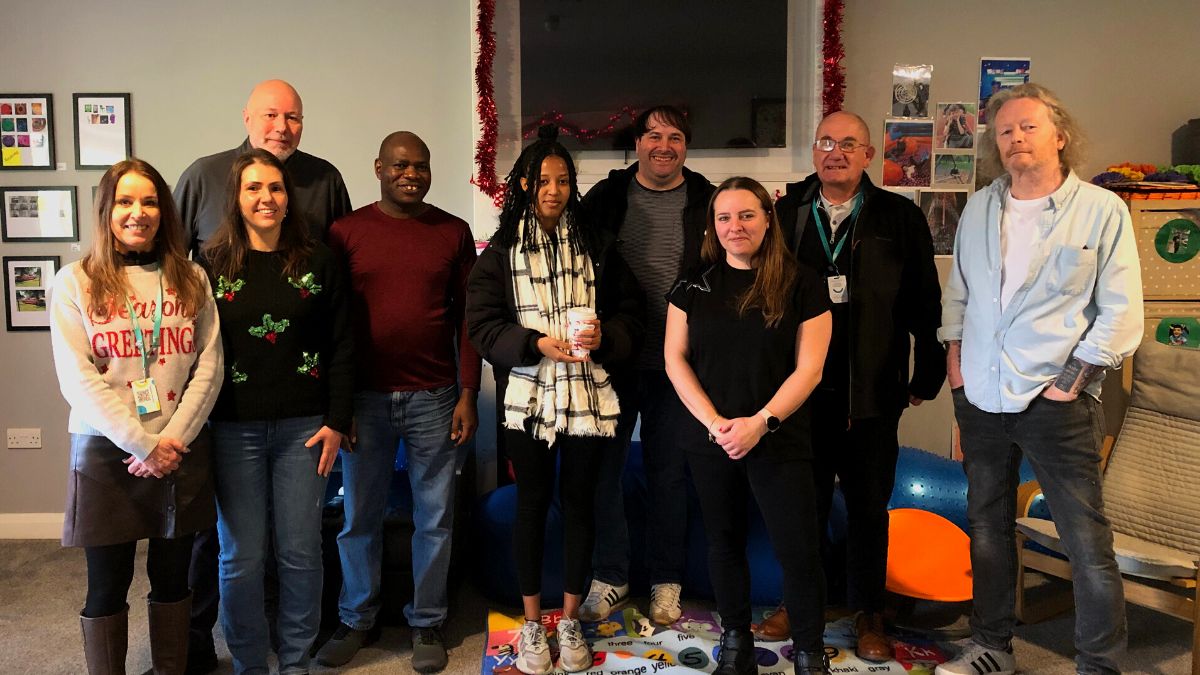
783	488
863	458
110	573
534	465
206	591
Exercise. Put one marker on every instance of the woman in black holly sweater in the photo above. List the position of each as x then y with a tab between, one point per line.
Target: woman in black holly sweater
283	412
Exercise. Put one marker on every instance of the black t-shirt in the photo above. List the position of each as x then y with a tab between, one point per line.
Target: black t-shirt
740	362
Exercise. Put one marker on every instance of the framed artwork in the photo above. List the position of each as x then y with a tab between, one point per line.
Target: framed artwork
38	214
26	132
907	153
910	90
996	74
955	126
953	170
943	209
27	280
103	130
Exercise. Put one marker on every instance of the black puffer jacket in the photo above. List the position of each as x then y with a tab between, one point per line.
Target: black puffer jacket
894	293
492	319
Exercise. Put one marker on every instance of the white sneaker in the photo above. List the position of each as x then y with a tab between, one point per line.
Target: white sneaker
602	599
533	652
976	659
664	604
574	655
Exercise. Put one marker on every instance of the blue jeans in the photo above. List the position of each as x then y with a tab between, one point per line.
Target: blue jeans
268	486
1062	442
654	398
422	420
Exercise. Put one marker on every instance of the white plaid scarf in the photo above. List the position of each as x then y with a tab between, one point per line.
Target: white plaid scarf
572	398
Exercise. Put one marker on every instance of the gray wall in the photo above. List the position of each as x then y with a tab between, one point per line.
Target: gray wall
366	68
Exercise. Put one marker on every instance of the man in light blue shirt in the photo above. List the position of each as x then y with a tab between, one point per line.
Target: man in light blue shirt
1044	295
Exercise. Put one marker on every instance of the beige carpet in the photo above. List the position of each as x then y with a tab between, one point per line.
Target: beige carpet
42	588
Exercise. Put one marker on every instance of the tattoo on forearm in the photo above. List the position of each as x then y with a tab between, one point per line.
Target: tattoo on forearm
1076	375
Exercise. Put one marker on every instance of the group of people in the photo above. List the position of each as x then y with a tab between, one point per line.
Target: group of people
764	345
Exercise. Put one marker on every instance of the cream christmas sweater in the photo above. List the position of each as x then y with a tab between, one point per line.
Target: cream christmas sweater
97	360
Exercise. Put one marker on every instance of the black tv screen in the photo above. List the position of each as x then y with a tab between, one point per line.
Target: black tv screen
590	65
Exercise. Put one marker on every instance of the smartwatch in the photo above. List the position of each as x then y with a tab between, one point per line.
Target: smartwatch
771	420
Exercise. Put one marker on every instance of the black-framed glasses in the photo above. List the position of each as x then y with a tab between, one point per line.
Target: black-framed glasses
828	144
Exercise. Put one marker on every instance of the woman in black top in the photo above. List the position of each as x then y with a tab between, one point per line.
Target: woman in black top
283	411
746	339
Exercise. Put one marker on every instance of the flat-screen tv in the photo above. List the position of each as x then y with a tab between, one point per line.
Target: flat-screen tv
591	65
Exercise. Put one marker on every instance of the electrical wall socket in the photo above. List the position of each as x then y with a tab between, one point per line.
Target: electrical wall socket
24	438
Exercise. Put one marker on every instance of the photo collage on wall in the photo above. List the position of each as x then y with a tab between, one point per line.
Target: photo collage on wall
929	146
27	281
25	138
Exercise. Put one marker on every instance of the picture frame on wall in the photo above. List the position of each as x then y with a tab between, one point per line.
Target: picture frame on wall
27	281
103	130
38	214
26	132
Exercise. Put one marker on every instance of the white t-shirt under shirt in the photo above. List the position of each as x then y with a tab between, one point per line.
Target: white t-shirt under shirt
1018	229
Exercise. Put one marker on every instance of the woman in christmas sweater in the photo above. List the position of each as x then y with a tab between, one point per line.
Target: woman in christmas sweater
284	410
138	354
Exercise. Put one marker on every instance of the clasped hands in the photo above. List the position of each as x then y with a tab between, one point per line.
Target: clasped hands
162	460
738	436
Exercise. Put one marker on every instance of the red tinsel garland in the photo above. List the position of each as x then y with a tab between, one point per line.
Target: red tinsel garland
485	149
833	87
568	128
833	91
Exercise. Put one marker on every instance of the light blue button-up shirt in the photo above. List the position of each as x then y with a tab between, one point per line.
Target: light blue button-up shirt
1082	295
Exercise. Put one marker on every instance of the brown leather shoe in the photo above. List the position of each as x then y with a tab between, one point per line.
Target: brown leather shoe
873	642
775	627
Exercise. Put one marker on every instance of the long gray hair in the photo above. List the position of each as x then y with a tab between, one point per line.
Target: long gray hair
1074	141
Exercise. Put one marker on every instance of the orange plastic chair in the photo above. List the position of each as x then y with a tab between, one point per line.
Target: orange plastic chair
929	557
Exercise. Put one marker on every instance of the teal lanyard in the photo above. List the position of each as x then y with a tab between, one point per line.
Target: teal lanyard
137	330
832	255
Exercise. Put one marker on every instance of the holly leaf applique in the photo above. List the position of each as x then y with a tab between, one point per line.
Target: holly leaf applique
236	375
270	328
227	289
311	364
307	285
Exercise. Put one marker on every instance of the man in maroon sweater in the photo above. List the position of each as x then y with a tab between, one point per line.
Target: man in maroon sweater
417	380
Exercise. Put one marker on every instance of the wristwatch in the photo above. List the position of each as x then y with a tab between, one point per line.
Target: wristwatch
771	420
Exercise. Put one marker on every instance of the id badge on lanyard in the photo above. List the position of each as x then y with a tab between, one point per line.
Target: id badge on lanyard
839	285
145	393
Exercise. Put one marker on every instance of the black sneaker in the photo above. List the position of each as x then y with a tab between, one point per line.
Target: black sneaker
344	644
429	650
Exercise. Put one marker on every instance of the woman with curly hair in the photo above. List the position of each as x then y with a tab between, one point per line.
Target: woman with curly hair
554	395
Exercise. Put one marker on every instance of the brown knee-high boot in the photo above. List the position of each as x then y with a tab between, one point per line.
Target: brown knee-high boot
105	640
169	623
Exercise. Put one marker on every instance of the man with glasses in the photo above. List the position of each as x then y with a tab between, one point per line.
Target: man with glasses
874	251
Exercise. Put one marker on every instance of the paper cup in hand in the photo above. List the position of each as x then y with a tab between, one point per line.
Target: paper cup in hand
577	318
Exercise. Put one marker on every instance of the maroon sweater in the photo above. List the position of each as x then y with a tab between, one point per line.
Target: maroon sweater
409	281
